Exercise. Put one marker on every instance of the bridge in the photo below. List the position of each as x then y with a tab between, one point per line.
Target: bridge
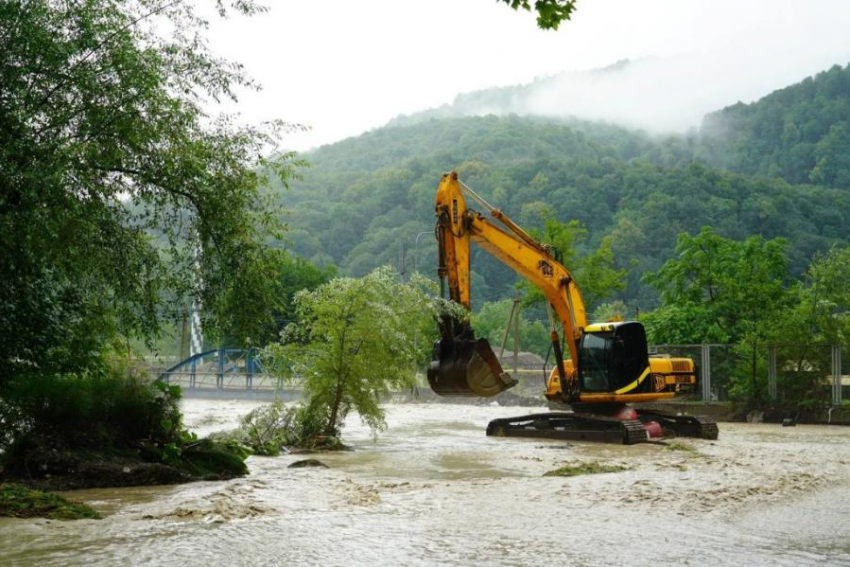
228	372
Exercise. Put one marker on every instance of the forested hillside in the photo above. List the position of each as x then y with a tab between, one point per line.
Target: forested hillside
366	198
800	133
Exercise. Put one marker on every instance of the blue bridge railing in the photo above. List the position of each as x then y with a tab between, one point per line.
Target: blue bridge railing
223	369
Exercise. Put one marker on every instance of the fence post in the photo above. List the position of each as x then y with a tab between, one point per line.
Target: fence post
516	345
250	369
836	375
705	372
219	379
772	389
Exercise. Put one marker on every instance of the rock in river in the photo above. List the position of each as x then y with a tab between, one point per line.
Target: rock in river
308	463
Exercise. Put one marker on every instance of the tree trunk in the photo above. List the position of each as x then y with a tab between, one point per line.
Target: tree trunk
756	394
332	429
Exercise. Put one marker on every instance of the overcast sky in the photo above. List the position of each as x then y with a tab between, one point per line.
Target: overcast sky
346	66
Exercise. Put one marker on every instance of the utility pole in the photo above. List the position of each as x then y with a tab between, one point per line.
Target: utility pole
516	339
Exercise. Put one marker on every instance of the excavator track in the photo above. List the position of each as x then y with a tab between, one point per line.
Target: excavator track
570	426
701	427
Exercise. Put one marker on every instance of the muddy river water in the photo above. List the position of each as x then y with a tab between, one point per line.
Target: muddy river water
433	490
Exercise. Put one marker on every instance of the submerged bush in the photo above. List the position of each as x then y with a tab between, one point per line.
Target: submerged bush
679	446
18	501
585	468
267	430
208	459
58	425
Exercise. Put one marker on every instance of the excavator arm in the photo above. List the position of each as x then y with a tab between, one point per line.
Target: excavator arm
459	226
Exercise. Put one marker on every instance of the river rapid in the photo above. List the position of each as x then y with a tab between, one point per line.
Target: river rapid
434	490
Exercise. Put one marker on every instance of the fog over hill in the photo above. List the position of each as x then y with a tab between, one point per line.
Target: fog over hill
656	94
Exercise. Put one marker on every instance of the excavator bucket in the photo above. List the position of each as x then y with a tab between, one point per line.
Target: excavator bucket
467	367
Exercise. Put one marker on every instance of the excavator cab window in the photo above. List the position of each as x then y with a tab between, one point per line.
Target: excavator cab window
630	354
612	359
594	356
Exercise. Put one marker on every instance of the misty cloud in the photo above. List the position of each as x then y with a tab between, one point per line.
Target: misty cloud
657	94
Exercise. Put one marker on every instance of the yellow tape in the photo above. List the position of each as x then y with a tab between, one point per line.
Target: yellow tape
634	384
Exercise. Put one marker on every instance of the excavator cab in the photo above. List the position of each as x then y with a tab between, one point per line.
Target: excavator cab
613	356
465	366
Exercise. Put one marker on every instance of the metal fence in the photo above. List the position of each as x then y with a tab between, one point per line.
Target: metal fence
785	372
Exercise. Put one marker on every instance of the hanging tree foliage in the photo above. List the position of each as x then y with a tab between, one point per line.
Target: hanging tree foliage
116	187
120	199
550	13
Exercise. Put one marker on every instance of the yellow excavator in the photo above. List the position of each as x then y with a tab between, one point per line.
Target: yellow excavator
607	366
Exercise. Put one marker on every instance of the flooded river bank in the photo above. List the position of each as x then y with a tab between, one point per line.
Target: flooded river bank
432	489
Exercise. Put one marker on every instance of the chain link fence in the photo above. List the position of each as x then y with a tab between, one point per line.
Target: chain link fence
804	372
784	373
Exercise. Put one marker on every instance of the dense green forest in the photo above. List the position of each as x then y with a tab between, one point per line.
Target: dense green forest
800	133
365	200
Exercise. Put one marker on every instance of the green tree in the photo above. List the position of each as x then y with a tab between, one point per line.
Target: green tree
820	312
491	320
120	200
355	341
685	323
612	310
800	133
817	317
722	289
832	155
294	274
123	196
829	295
595	272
